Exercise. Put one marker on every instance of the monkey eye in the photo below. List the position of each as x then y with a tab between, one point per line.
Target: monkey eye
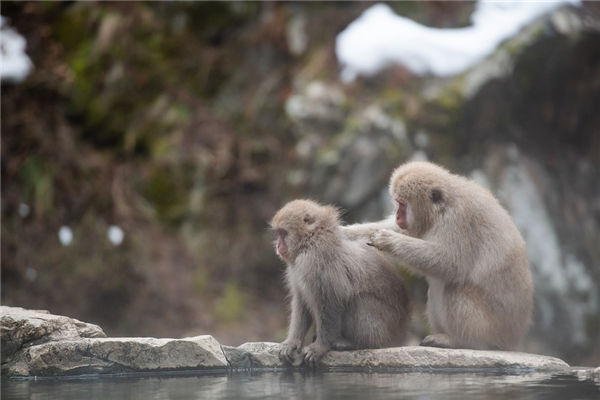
277	233
436	195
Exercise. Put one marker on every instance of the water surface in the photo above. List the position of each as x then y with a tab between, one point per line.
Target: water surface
299	385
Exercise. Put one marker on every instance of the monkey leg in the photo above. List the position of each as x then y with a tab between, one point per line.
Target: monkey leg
328	326
370	323
470	318
339	344
342	344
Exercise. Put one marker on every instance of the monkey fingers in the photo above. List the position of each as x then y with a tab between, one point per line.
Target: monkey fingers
288	352
312	354
382	239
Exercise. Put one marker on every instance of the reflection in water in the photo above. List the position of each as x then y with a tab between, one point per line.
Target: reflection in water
298	385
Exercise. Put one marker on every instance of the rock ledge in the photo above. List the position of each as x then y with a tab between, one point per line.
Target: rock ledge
36	343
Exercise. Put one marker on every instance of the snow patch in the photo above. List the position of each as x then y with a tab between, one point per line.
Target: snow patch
380	37
115	235
65	235
14	63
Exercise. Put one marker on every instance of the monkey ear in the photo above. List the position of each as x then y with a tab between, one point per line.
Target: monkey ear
436	195
309	219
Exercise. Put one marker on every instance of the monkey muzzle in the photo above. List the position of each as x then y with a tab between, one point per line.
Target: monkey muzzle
401	214
281	245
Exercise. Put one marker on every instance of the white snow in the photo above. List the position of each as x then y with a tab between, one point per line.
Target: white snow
65	235
14	63
115	235
379	37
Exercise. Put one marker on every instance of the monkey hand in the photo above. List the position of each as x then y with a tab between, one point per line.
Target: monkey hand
290	349
382	239
313	353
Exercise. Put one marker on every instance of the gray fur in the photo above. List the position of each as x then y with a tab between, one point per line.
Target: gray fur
348	289
472	254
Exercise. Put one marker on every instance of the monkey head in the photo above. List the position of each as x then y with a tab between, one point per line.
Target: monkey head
299	224
419	191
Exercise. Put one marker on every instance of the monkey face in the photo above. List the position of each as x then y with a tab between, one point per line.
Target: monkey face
281	246
417	189
401	214
300	224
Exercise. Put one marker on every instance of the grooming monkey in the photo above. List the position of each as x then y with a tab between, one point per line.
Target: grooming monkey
350	292
456	234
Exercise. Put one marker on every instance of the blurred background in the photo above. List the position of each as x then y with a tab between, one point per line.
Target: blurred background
145	147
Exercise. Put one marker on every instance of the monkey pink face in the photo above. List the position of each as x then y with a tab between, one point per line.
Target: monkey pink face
281	246
401	219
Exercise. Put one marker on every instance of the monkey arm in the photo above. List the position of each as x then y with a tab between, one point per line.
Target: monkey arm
300	320
423	256
358	231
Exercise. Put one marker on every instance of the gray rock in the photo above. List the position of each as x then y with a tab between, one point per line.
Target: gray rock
584	373
42	344
431	357
116	355
412	357
21	328
262	354
237	358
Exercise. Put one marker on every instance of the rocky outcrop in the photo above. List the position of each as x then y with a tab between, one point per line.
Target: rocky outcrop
66	351
116	355
265	355
21	328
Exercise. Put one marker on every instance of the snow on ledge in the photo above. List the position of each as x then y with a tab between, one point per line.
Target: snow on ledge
379	38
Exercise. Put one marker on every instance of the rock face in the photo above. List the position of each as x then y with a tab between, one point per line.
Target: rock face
117	355
23	328
74	348
264	355
38	343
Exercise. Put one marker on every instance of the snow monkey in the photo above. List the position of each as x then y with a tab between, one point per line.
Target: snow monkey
456	234
352	294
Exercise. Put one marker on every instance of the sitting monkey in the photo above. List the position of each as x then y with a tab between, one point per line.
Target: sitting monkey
350	292
456	234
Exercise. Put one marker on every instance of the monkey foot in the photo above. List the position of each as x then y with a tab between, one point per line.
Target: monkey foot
437	340
342	345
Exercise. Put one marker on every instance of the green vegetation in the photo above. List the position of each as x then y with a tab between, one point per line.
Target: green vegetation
231	304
